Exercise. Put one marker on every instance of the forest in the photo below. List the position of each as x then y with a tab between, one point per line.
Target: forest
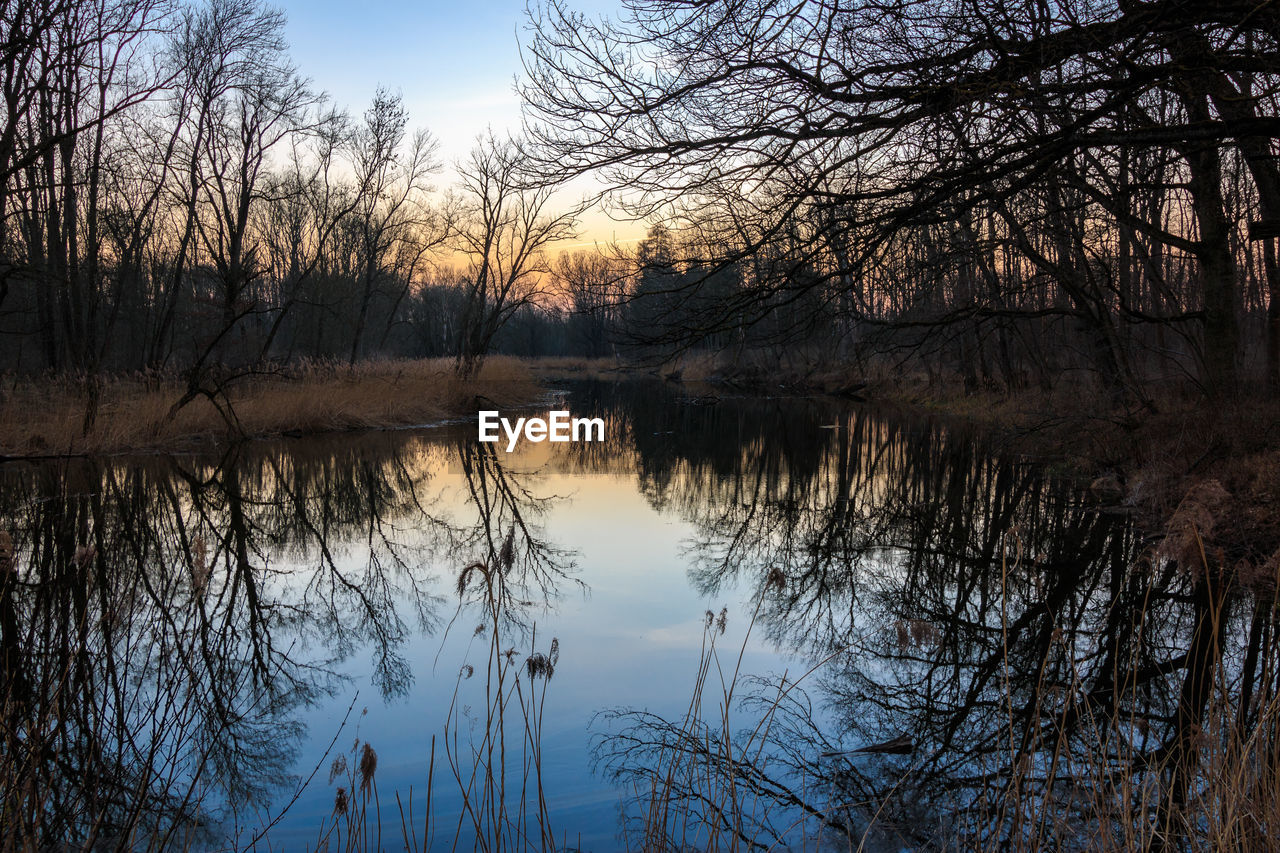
1005	193
939	431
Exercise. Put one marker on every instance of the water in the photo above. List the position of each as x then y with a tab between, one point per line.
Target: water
244	621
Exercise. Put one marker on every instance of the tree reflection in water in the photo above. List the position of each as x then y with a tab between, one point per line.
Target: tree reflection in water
163	622
997	662
494	755
528	570
1002	664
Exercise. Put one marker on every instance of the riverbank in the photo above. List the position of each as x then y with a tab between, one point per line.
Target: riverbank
1185	465
1193	471
46	417
1204	475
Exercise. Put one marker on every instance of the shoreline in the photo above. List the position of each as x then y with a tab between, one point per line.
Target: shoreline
43	419
1214	462
1190	469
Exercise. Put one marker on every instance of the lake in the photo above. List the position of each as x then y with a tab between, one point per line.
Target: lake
737	621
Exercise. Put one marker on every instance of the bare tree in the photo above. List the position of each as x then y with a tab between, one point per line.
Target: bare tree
866	127
396	226
592	280
506	221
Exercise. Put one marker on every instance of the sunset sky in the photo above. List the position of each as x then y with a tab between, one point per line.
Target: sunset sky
454	64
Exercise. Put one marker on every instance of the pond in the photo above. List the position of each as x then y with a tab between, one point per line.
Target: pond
737	622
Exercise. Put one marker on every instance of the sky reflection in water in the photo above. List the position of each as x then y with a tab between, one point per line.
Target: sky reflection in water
967	609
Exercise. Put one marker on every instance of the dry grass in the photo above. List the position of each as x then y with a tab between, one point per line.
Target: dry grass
703	790
567	367
47	417
494	759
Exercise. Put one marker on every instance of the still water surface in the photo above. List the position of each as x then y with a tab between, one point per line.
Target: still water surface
875	581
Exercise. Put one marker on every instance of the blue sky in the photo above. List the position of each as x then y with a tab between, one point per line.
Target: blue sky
453	62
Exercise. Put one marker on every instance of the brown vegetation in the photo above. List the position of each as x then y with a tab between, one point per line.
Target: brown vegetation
704	789
1218	465
573	367
46	417
1150	459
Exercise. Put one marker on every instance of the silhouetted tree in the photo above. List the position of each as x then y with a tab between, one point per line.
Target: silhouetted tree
505	223
911	145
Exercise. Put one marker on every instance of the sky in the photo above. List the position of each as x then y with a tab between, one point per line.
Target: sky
453	63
